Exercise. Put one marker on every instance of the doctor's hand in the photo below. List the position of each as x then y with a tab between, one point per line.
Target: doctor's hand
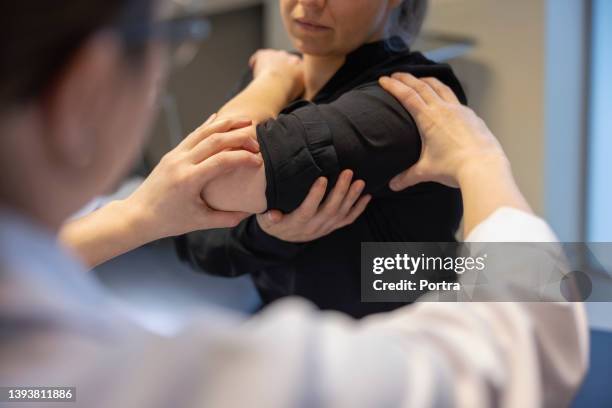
454	138
313	219
169	201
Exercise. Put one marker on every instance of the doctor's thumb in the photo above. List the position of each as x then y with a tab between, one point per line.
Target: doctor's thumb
274	216
406	179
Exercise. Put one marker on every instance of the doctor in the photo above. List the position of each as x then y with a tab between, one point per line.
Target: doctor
70	137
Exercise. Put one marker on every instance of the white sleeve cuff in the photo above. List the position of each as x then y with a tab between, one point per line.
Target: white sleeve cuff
511	225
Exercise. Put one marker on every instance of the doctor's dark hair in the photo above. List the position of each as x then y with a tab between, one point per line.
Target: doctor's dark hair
39	37
407	19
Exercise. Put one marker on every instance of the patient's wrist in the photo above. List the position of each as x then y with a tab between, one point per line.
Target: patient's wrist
290	85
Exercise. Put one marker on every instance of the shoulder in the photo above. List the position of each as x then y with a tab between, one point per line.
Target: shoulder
414	63
420	66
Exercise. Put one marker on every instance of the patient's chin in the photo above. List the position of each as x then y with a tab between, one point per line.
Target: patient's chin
314	48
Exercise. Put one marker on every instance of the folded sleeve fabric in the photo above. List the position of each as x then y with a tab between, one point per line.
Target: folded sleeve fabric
366	130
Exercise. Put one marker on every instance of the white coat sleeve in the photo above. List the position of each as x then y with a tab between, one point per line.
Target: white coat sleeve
432	354
468	355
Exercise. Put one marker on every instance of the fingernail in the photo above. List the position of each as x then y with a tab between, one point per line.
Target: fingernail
253	144
212	117
255	159
322	181
394	184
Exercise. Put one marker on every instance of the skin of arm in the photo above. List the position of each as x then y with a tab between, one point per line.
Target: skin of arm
487	184
277	80
106	233
244	189
262	99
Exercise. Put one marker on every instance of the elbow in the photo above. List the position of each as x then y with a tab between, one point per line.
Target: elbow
242	190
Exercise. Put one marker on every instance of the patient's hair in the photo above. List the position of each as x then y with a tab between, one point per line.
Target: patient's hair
38	38
407	20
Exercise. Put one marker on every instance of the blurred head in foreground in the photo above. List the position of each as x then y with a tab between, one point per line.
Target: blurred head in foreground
78	81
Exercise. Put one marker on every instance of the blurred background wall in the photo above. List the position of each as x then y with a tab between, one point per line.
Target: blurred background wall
504	76
200	88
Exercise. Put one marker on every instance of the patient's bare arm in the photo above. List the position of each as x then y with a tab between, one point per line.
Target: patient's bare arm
244	189
277	80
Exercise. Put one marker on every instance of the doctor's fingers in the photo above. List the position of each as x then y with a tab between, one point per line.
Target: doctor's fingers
209	128
351	208
351	197
310	206
331	205
356	211
414	175
422	88
223	163
235	139
442	90
407	96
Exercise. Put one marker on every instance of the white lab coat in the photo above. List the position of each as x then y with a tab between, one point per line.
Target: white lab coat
58	327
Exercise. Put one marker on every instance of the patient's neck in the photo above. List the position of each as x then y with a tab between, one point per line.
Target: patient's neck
318	71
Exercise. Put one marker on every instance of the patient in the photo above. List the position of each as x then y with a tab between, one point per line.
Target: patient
341	120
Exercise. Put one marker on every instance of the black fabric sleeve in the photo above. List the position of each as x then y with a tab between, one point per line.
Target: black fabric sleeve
366	130
231	252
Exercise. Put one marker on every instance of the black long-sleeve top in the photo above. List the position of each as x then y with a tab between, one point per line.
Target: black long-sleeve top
352	123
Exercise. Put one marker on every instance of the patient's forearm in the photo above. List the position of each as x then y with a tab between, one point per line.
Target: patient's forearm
263	99
242	190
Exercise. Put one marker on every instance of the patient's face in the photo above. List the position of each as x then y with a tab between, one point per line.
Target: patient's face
334	27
